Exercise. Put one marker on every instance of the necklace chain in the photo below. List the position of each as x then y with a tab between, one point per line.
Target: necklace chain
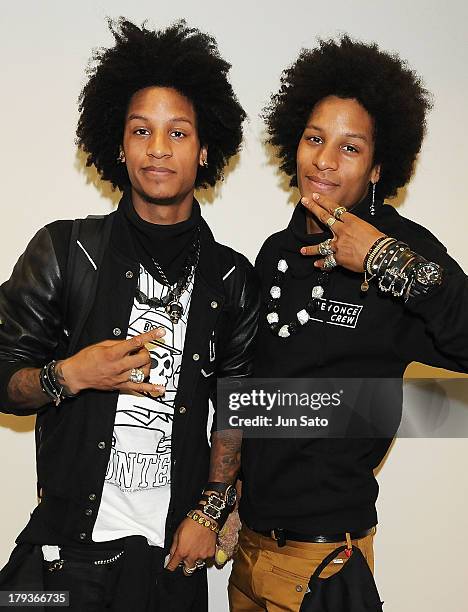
161	273
171	301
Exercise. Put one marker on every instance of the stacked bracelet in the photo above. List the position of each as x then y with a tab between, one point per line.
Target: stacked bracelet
213	506
49	384
378	245
217	501
399	270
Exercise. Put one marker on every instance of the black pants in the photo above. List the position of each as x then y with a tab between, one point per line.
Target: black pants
93	587
98	587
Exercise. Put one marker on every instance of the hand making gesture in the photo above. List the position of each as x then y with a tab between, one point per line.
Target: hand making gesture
352	238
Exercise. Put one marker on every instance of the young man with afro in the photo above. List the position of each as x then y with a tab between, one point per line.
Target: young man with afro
351	289
115	329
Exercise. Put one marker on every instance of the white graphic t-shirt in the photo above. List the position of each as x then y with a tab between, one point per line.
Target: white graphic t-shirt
136	491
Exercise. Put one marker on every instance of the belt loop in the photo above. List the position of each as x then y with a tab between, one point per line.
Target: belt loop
278	535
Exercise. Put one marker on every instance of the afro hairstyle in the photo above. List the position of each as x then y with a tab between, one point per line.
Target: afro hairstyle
381	82
178	57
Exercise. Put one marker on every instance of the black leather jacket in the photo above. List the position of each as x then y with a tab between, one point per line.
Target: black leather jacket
43	316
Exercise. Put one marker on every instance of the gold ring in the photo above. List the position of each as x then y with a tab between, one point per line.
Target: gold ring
331	221
339	212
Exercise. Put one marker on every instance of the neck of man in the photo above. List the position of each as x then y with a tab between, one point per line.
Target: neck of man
163	212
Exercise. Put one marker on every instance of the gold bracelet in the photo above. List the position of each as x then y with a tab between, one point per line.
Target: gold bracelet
201	520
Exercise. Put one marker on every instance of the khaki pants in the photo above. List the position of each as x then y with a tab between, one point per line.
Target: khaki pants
266	577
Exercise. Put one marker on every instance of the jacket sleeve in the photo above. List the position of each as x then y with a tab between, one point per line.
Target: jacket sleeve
30	313
238	351
238	354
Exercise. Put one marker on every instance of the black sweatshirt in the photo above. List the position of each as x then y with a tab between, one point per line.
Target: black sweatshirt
327	485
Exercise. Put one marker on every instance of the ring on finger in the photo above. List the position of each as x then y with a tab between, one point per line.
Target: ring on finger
188	571
136	376
339	212
325	248
331	221
200	563
329	262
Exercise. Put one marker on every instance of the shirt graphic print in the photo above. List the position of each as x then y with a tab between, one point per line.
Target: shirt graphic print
136	492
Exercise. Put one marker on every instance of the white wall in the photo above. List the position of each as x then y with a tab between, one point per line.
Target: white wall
422	541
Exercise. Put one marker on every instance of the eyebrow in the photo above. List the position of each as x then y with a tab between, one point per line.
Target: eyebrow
311	126
360	136
172	119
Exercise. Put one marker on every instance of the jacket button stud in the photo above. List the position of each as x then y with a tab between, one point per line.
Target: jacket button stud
195	356
214	304
116	331
82	536
92	497
102	445
129	274
88	512
182	410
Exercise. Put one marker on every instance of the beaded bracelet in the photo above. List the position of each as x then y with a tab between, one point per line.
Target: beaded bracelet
201	520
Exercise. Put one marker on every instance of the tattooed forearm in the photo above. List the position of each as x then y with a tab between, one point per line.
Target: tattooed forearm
24	389
225	455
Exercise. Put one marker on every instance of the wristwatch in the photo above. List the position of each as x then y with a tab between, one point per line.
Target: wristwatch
426	275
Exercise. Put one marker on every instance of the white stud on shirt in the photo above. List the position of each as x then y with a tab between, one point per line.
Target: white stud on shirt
317	291
275	292
282	265
272	317
303	316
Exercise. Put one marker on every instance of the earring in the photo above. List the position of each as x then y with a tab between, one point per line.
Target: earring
372	205
121	157
205	163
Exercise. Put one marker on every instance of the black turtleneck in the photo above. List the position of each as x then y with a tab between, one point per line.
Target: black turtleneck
169	245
